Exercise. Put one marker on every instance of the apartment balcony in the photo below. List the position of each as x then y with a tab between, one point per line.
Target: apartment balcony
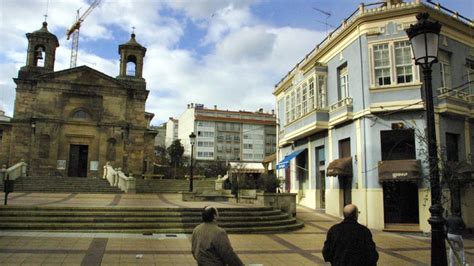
456	102
313	122
341	111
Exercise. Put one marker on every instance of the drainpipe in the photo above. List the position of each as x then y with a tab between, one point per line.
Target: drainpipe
364	126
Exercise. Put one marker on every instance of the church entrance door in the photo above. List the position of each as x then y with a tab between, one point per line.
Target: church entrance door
78	160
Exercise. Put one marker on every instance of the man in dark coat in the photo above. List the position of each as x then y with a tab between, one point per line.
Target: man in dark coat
350	243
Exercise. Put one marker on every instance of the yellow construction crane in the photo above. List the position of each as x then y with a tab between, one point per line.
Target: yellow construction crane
74	30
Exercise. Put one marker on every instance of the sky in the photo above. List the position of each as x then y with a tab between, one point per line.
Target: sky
228	53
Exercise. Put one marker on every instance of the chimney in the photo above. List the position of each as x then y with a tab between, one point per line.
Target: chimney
188	105
215	107
273	111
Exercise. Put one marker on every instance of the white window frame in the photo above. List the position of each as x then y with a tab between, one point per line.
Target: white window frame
304	99
379	52
445	68
311	94
343	82
288	108
321	92
394	64
298	103
293	105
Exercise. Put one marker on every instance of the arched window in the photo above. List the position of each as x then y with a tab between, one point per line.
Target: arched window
111	155
131	65
40	56
44	144
80	114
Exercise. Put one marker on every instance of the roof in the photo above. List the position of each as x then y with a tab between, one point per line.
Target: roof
65	72
44	32
132	43
361	14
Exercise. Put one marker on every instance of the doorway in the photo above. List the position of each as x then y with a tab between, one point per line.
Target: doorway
321	176
78	155
345	182
400	202
302	174
288	179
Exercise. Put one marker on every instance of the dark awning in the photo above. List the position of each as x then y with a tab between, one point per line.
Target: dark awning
340	167
399	170
285	162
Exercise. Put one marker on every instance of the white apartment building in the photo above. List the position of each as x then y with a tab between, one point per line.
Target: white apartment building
171	131
224	135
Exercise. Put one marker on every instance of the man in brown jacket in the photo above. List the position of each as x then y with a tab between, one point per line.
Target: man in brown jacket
210	244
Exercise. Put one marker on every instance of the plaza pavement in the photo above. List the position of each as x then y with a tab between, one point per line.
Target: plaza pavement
301	247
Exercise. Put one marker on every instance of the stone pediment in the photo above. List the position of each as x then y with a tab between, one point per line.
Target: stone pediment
84	76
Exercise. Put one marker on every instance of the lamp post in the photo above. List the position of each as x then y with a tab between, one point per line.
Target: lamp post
424	36
192	140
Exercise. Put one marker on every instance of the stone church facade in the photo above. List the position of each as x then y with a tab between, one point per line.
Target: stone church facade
71	122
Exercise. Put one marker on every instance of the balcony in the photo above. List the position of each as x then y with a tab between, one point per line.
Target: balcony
455	101
341	111
313	122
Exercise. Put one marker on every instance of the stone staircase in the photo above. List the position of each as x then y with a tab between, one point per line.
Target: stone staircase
98	185
172	185
141	220
49	184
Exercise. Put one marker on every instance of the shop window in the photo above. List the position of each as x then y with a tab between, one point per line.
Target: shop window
398	144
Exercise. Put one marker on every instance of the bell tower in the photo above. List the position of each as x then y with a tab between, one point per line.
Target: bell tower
41	51
131	60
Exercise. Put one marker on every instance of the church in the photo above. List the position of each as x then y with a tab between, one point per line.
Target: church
72	122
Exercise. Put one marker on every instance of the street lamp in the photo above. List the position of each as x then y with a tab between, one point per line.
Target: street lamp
424	37
192	140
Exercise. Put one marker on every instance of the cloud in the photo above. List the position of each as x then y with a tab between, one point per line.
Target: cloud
247	44
205	9
244	60
239	74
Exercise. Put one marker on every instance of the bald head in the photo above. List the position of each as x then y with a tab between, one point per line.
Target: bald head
351	211
209	213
